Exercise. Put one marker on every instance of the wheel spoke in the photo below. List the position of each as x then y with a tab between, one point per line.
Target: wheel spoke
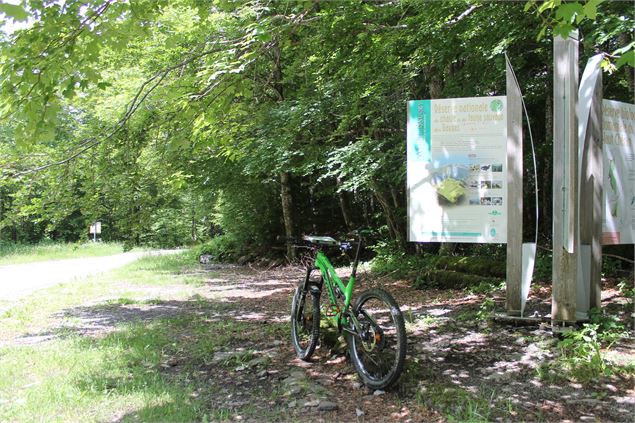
378	352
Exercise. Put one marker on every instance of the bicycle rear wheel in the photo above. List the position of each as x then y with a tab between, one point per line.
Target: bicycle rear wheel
305	322
379	353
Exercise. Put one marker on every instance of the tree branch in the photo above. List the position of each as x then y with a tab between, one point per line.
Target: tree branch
462	15
142	93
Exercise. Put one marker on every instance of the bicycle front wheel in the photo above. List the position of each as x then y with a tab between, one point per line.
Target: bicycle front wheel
379	351
305	322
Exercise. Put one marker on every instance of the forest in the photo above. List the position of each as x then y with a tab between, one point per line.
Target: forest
229	126
236	122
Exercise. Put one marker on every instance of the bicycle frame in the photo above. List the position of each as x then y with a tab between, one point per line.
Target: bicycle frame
335	287
333	281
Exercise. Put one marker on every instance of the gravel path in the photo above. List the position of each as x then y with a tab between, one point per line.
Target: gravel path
20	280
458	365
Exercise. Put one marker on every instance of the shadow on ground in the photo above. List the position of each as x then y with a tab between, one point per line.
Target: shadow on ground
224	354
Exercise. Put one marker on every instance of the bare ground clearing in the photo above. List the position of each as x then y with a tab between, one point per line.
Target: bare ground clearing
455	357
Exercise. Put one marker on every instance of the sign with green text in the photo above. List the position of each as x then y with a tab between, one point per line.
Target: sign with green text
456	170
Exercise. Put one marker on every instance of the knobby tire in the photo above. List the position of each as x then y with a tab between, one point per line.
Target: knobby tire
305	322
379	355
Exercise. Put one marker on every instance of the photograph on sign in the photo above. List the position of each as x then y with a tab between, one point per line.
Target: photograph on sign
456	170
618	137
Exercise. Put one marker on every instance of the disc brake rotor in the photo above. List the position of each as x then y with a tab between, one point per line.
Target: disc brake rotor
369	338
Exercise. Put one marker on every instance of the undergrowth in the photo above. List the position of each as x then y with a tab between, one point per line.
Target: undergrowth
457	404
222	248
583	352
482	273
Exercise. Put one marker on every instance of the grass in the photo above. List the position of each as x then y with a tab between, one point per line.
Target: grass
75	378
420	322
457	404
23	253
140	370
79	379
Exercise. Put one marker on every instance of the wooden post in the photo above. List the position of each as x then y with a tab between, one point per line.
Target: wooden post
565	179
591	196
514	195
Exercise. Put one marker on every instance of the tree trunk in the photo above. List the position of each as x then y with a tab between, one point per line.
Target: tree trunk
193	229
1	209
435	87
395	197
393	221
345	207
366	207
287	209
630	78
285	178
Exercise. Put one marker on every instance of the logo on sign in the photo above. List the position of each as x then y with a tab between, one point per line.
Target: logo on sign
496	106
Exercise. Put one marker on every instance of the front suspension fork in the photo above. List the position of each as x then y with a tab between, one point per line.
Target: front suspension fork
315	287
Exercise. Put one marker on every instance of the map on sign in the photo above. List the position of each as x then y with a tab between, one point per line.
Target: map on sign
456	167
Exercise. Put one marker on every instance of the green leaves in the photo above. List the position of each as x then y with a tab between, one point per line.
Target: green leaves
151	104
591	8
626	55
598	20
14	11
570	12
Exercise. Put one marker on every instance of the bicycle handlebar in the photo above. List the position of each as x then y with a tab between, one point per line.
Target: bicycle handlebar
319	241
315	242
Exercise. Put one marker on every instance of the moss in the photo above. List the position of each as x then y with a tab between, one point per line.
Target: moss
331	338
482	266
428	270
450	279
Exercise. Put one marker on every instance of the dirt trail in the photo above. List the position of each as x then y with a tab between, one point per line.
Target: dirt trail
454	354
19	280
456	359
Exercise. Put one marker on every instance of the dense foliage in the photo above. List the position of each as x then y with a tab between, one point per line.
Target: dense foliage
174	121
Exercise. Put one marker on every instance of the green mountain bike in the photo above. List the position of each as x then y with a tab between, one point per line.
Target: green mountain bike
373	326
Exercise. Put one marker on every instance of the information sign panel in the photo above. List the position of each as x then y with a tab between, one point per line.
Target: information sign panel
457	170
95	228
618	136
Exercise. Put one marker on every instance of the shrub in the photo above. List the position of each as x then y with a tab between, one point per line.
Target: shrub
583	351
221	248
248	214
391	259
449	272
